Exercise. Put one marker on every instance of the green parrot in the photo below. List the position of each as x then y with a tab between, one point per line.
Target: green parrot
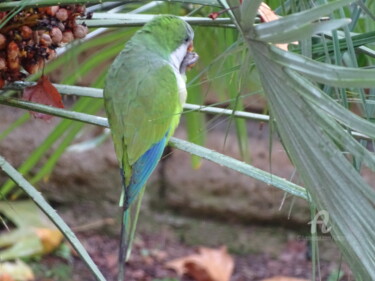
144	95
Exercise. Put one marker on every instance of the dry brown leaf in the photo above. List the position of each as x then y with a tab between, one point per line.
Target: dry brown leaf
207	265
267	15
44	93
177	265
50	238
284	278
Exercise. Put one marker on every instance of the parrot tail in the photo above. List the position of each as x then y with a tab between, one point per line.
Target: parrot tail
123	247
141	171
124	226
128	227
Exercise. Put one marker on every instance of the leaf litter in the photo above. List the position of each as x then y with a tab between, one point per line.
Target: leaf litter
207	265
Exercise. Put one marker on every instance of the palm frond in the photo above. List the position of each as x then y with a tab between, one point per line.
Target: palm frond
316	143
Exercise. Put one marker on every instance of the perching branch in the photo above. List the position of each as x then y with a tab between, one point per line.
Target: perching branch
41	3
200	151
98	93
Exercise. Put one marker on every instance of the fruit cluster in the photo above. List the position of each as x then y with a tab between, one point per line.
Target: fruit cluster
31	37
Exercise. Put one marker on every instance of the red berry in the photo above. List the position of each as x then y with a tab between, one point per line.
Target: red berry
13	56
67	37
52	10
62	14
13	50
3	41
80	31
26	32
45	40
56	35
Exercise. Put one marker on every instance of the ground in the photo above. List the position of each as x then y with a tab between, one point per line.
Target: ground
259	251
153	250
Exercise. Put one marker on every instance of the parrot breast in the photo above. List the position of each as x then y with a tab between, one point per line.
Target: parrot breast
181	85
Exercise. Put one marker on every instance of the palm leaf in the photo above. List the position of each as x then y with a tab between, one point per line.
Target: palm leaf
317	145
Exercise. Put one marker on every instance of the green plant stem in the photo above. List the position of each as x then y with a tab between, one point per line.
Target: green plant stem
52	214
62	89
98	93
180	144
239	166
124	20
40	3
72	115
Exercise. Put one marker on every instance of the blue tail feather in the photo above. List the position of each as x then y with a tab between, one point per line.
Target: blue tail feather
143	168
141	171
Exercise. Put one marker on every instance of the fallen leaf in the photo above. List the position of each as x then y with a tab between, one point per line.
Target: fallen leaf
267	15
207	265
44	93
15	271
50	238
284	278
177	265
34	234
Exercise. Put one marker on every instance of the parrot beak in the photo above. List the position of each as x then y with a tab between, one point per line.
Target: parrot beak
190	47
192	58
189	60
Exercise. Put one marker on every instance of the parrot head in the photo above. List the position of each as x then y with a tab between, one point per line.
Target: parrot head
173	39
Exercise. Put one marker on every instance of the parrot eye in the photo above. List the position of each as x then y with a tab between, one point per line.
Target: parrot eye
187	39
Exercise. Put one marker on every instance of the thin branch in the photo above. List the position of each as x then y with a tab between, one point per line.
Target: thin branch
98	93
72	115
205	153
228	112
101	30
239	166
63	89
127	19
40	3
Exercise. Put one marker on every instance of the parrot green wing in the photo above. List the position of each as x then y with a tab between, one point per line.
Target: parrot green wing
142	104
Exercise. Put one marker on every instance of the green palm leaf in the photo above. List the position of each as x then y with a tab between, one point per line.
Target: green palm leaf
317	144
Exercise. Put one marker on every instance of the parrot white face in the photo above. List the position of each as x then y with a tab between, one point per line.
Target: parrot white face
178	56
179	60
